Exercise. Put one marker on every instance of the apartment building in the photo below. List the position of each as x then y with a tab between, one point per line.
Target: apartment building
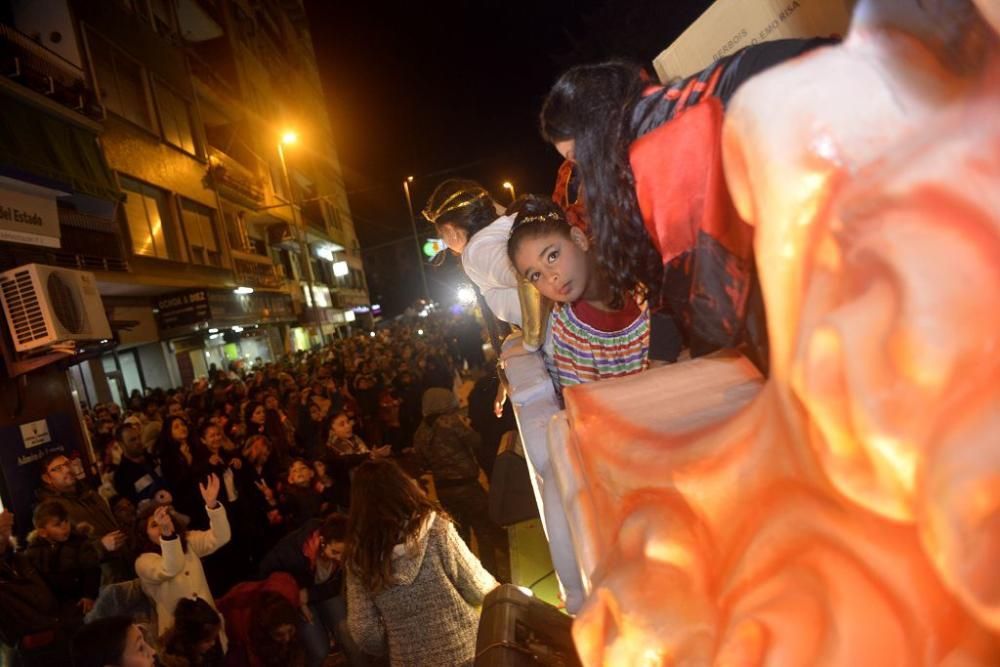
181	151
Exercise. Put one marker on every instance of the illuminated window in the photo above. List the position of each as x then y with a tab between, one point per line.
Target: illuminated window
199	227
149	224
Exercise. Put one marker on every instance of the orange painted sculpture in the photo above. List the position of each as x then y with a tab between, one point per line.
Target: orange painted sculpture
847	510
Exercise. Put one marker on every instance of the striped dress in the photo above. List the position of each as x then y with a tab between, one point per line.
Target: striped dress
589	344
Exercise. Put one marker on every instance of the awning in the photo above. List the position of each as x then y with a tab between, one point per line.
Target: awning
54	151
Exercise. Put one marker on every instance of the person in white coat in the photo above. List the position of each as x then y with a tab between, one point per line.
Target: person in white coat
170	567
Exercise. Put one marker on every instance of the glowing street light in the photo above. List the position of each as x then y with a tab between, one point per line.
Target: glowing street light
416	237
243	290
289	137
507	185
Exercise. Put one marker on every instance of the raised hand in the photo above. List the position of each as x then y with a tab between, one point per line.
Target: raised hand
162	518
266	490
113	541
210	492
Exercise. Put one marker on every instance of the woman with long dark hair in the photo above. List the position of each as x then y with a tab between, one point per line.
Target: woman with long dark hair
649	157
412	585
177	454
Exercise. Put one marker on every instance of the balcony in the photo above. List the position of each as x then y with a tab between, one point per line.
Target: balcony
32	65
234	179
256	274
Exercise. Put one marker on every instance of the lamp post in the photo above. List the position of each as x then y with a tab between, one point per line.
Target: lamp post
416	239
507	185
287	139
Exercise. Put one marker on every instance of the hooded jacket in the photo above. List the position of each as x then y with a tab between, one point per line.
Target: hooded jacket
446	445
72	569
429	616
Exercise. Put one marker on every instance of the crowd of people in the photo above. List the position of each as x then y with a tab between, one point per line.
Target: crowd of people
218	517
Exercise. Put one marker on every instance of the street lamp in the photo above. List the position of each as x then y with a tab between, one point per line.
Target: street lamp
507	185
288	138
416	239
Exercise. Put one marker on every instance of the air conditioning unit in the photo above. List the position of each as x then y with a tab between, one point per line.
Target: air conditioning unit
46	305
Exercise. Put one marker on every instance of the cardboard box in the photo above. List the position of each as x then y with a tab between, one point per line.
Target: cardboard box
729	25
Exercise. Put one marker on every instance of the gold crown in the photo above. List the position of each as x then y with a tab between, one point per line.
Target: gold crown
450	204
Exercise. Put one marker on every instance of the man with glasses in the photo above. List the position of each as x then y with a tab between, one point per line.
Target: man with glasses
85	505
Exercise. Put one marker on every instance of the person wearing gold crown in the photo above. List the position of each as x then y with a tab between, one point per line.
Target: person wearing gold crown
470	223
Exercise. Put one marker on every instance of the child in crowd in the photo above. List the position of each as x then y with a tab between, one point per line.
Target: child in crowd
170	565
590	340
300	498
194	640
65	557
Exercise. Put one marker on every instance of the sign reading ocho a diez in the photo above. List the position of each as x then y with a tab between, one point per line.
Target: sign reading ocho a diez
183	308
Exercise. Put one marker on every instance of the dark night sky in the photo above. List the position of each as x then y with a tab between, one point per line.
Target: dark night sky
453	88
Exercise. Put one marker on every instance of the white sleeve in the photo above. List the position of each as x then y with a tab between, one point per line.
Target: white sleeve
204	542
486	263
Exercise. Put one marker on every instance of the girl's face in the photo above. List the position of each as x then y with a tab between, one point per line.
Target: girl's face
271	402
213	439
567	148
258	415
299	474
557	266
153	530
206	644
333	551
179	430
342	427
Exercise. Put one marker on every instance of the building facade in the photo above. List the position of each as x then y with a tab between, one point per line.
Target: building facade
183	152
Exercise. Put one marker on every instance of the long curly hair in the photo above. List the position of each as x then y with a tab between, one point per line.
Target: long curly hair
592	105
387	508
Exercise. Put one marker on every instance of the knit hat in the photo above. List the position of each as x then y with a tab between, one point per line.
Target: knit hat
438	401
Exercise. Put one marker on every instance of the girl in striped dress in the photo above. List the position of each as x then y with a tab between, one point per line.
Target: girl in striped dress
590	340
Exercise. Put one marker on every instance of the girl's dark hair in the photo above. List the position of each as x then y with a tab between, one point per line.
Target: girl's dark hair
462	203
194	622
140	538
375	528
534	216
249	410
272	611
101	642
204	426
592	105
333	529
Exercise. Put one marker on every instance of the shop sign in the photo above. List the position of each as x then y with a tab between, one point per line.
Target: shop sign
29	218
35	433
184	308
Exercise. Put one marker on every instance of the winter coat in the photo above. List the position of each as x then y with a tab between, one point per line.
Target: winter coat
27	606
447	446
177	573
428	616
295	554
72	569
87	506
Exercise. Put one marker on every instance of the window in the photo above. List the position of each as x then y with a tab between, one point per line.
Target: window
148	220
121	82
334	215
199	227
175	117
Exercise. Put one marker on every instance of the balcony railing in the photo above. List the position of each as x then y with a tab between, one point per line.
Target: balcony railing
230	174
32	65
255	274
